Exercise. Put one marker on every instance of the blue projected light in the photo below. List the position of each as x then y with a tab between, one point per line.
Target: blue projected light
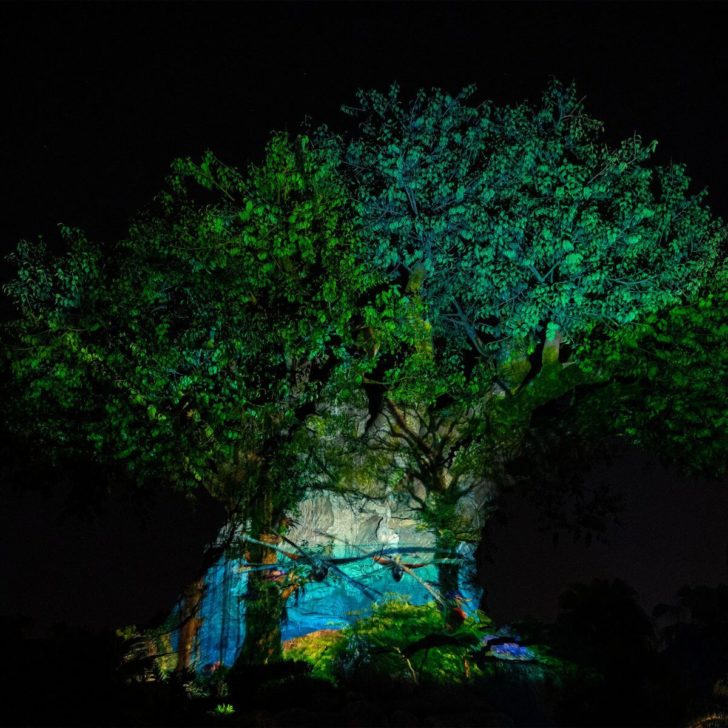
512	651
332	603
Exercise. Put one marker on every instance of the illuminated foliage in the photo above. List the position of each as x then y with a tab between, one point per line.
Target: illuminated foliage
407	643
521	218
316	648
675	364
450	270
186	349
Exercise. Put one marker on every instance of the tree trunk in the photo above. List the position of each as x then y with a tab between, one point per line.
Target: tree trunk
190	622
481	563
448	582
263	610
265	605
447	576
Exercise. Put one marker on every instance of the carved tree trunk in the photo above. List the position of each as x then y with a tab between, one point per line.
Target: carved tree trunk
265	605
448	582
190	624
264	609
447	576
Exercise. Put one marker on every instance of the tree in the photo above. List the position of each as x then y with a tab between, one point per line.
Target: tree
195	350
519	242
420	293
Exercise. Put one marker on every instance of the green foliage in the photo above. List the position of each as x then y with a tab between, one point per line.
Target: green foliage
318	649
515	242
407	643
668	377
148	653
372	647
195	348
521	219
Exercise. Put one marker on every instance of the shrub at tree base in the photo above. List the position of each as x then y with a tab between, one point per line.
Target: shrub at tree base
409	644
317	648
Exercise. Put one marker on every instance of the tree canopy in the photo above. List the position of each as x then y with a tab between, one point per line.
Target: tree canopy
522	220
183	349
441	274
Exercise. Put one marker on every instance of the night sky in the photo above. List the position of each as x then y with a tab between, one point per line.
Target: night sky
97	100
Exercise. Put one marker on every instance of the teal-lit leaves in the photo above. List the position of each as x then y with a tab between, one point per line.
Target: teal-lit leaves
522	215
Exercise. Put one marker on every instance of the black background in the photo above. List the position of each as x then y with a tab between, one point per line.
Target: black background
97	99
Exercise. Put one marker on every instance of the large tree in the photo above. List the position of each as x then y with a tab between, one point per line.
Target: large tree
440	278
194	350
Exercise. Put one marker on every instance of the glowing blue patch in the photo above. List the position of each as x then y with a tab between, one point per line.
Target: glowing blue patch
512	651
508	650
330	604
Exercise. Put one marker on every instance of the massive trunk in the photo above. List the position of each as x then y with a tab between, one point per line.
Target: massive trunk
264	609
266	596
